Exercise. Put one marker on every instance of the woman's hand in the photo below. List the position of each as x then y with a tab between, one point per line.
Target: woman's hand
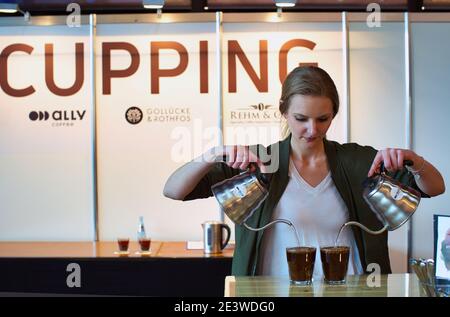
239	157
393	160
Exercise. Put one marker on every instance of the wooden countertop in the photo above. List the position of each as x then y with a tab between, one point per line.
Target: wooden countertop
104	249
392	285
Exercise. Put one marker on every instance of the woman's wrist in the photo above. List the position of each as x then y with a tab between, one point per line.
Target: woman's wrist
418	166
213	155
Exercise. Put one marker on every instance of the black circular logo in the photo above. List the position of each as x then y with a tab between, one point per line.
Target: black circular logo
33	115
39	115
134	115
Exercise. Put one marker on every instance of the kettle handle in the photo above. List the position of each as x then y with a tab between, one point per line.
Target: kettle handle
264	178
227	228
405	163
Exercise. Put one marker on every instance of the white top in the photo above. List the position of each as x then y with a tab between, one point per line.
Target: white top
317	213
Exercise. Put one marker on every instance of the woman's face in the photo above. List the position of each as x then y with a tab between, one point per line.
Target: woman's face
309	118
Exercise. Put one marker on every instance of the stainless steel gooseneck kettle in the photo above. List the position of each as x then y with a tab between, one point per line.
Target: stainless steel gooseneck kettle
240	196
392	202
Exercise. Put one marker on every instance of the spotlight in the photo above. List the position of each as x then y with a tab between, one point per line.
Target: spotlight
285	3
153	4
6	7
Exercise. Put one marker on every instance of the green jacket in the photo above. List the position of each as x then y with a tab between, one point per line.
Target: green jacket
349	164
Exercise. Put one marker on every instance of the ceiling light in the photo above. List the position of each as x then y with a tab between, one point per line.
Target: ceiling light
9	7
285	3
6	7
153	4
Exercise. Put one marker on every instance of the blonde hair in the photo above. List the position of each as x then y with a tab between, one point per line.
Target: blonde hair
306	81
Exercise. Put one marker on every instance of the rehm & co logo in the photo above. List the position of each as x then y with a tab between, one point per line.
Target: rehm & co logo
255	113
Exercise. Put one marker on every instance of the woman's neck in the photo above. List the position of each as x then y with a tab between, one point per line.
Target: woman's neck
307	154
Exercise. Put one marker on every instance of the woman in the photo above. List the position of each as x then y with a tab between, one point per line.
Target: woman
317	185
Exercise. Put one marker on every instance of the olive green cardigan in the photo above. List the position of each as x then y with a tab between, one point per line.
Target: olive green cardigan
349	164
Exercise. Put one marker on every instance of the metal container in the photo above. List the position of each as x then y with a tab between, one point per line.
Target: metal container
241	195
393	202
213	238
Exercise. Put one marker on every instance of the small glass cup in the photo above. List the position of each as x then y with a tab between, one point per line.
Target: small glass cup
123	244
301	264
335	264
145	244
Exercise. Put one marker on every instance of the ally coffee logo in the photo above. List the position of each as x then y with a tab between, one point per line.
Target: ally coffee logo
58	117
134	115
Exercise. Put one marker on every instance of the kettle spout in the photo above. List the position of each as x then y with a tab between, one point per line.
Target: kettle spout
269	224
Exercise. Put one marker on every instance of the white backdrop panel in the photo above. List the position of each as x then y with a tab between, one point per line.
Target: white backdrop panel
46	181
431	75
134	161
263	126
377	102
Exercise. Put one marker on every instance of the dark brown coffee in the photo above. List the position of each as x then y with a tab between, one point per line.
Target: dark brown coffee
301	264
145	244
123	244
335	263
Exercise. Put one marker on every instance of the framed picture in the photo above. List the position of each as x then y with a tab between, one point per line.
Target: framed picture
442	246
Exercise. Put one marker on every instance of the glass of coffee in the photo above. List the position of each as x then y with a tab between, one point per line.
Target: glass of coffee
123	244
145	243
335	263
301	264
